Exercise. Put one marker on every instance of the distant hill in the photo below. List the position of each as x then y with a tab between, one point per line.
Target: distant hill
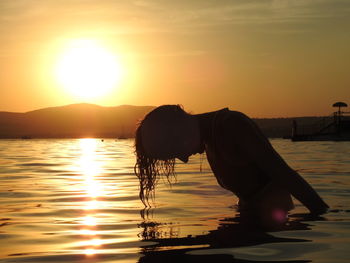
89	120
73	121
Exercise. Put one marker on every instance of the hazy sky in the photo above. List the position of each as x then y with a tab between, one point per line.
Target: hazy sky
265	58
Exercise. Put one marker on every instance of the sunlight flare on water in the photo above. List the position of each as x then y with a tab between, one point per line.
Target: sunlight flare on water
90	169
88	163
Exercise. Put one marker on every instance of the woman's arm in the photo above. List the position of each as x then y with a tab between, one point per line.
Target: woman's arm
250	140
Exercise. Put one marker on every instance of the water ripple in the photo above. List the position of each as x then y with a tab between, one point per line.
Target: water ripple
77	201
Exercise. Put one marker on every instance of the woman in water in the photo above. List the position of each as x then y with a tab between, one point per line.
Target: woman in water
240	156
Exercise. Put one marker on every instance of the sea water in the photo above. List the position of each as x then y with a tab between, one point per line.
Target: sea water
76	200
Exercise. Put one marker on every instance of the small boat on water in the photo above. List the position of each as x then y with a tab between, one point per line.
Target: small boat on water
335	127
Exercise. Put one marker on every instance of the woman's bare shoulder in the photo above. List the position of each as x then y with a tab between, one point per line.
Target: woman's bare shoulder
237	121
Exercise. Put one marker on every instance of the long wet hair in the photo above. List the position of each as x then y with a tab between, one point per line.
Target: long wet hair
149	170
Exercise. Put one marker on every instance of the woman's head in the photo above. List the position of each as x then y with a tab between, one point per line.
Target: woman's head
166	133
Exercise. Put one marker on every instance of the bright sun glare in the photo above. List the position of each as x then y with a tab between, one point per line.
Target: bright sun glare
88	70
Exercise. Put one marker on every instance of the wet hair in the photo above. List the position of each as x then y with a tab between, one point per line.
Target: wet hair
148	169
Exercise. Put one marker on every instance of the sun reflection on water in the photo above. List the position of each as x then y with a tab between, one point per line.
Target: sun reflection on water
89	220
89	251
88	162
90	168
97	192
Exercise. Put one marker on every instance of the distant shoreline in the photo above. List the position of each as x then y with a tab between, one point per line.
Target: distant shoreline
93	121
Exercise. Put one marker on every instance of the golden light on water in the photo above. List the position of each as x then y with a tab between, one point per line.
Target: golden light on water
89	221
87	69
91	205
95	242
90	169
88	164
90	252
87	232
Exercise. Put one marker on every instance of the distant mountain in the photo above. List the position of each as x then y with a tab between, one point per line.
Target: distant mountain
73	121
89	120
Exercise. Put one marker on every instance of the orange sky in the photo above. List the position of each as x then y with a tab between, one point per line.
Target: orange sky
265	58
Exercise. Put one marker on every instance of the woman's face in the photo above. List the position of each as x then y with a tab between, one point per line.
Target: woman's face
179	139
182	146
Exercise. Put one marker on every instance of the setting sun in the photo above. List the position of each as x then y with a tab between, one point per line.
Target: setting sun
87	69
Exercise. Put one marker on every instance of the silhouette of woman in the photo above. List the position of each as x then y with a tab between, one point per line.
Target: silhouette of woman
240	156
